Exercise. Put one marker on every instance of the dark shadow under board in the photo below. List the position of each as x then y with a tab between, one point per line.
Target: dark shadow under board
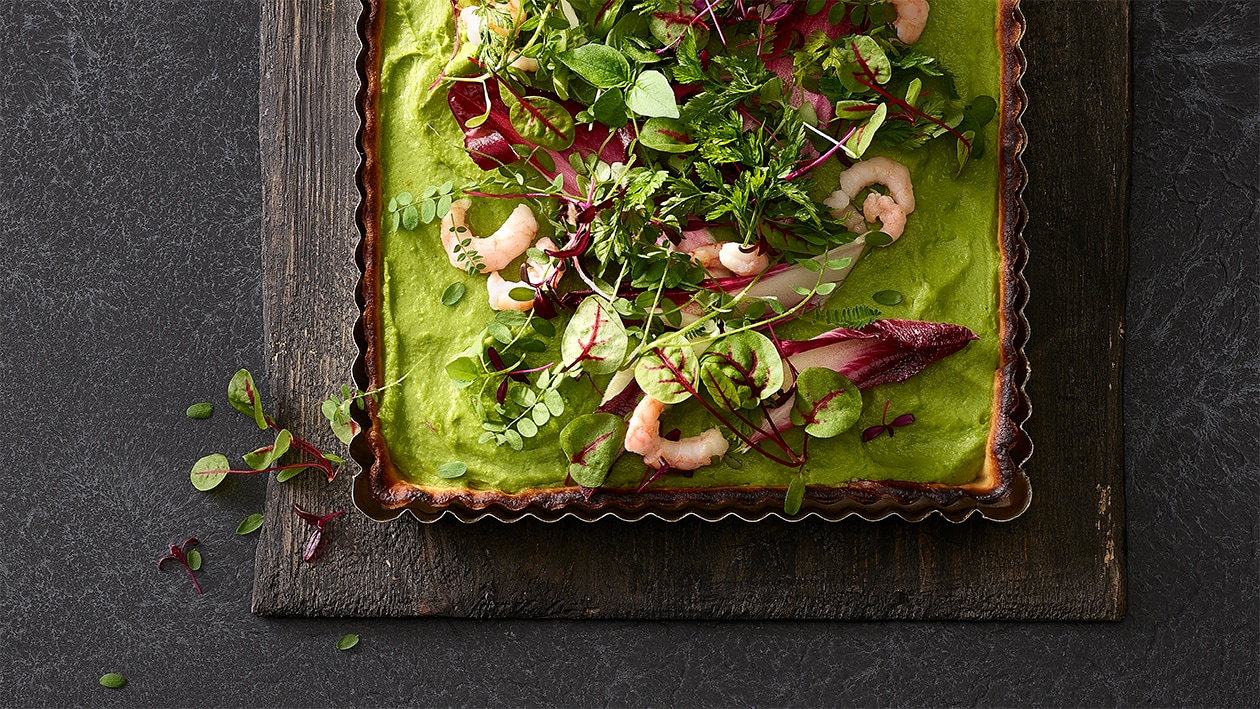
1062	560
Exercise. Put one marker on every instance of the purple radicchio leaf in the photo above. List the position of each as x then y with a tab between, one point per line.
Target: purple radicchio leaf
883	352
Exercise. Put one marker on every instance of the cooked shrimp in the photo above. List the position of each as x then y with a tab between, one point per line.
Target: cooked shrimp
498	249
513	8
741	262
710	256
891	211
500	289
911	19
891	218
644	437
470	19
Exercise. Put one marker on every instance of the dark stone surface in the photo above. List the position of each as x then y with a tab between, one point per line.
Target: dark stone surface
129	217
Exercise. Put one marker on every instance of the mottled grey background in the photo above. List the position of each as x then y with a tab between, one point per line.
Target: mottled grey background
129	221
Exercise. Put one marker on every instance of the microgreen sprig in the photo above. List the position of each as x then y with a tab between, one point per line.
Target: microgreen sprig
179	554
315	544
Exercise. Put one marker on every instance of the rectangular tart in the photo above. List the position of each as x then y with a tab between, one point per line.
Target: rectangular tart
960	261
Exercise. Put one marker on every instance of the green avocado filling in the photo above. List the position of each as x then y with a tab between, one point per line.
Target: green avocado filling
945	268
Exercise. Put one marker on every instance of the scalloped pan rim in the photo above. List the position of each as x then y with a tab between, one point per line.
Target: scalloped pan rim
1001	494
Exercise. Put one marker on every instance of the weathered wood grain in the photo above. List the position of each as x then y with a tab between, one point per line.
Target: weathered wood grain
1063	560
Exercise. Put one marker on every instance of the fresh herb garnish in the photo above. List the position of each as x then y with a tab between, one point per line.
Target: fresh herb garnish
453	293
250	524
873	432
202	410
887	297
347	641
113	680
315	544
179	554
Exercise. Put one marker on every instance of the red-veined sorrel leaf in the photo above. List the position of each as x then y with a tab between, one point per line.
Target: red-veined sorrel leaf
666	135
861	139
668	373
863	57
541	121
671	23
591	444
827	403
243	395
489	143
742	369
595	338
261	458
209	471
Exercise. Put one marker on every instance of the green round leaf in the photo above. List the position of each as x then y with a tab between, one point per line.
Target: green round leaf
464	370
877	238
450	471
250	524
290	473
591	444
347	641
405	198
113	680
193	557
887	297
453	293
522	294
668	373
202	477
202	410
795	496
651	96
527	428
610	109
540	414
601	65
554	402
827	403
411	217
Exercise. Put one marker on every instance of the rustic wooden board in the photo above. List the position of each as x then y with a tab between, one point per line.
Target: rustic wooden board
1063	560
